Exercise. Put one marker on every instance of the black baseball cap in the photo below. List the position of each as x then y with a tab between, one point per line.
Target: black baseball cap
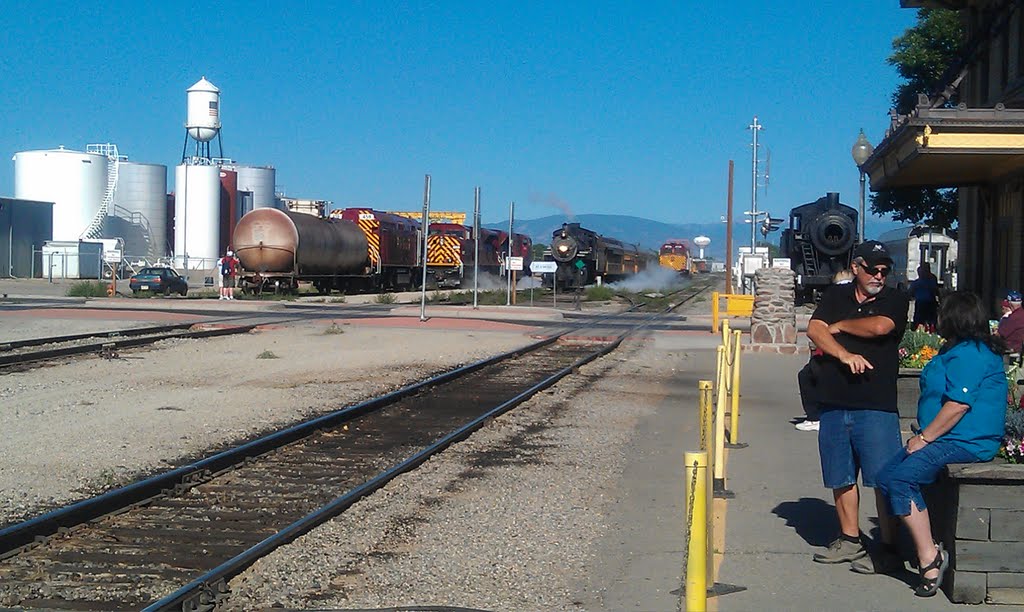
873	253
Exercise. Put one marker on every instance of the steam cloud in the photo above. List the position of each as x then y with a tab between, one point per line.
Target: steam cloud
552	200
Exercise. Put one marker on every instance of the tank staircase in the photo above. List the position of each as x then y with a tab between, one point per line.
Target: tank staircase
95	228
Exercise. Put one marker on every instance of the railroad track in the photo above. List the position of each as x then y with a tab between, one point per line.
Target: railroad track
172	542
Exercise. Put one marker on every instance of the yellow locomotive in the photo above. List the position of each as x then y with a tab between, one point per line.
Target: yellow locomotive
675	255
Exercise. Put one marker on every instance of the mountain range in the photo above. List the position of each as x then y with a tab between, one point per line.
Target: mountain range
650	234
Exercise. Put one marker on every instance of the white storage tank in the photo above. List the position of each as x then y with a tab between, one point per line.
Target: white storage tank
196	216
73	180
142	190
260	181
203	116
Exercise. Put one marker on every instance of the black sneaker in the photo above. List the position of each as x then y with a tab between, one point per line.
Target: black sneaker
841	551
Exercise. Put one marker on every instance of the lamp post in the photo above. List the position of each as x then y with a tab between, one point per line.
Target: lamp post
862	150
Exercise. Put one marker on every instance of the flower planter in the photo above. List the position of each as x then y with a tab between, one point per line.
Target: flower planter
908	390
977	512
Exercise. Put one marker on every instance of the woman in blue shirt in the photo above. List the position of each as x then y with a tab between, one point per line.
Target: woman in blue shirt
962	414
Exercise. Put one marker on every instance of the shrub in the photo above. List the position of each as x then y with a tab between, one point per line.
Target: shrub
267	355
917	347
334	328
88	289
385	298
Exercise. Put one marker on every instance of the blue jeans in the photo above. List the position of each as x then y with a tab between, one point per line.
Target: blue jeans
900	479
857	440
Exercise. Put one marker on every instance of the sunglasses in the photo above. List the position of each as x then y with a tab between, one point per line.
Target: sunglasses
875	271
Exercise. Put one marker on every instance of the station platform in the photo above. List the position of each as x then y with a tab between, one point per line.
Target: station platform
781	513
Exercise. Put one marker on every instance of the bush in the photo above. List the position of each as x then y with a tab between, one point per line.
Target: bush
333	328
385	298
88	289
267	355
599	294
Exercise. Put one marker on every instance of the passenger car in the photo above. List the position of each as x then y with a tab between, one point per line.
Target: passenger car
164	280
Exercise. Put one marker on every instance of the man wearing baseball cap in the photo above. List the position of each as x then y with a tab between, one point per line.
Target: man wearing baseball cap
858	326
1011	327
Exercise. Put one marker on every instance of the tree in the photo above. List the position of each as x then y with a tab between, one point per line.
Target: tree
921	56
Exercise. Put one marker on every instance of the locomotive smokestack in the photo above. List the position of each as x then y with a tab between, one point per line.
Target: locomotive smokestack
832	199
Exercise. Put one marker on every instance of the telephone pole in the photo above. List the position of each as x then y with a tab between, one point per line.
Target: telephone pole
754	128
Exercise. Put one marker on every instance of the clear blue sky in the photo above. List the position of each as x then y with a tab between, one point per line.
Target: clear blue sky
617	108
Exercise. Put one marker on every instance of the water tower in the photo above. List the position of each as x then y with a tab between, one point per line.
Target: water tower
701	242
202	122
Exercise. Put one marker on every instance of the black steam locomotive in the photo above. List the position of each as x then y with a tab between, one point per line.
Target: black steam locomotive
819	242
583	255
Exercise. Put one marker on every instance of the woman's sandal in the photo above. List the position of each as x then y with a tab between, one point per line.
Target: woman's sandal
930	586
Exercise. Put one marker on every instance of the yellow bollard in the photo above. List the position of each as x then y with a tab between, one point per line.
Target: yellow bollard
707	444
734	426
697	560
714	312
722	397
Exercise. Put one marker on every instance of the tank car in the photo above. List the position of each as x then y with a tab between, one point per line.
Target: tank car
819	242
582	255
675	255
278	249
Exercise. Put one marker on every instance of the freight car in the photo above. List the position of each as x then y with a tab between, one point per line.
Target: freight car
819	242
675	255
357	249
583	255
451	251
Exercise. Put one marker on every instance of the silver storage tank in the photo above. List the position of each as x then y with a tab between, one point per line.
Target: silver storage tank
258	180
141	197
74	181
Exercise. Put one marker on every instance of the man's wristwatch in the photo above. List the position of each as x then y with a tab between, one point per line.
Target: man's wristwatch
923	439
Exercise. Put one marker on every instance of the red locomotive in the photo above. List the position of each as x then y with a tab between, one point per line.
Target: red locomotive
451	252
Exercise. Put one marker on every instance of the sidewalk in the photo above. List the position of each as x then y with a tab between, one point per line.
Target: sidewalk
782	514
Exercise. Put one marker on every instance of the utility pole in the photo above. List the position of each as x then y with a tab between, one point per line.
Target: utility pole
754	128
426	233
728	235
476	247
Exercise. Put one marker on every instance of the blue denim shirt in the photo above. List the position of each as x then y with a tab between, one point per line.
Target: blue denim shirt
971	374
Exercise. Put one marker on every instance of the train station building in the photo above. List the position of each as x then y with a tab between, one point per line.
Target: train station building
977	146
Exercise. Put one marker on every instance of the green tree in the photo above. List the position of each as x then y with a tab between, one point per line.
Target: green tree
921	57
538	251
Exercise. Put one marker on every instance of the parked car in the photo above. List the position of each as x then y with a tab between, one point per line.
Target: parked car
164	280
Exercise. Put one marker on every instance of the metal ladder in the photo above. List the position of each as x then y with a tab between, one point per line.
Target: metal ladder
810	261
95	227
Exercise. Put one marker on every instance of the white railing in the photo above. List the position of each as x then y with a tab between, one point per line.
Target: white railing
95	227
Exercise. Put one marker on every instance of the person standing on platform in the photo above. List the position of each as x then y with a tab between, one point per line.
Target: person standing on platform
1011	326
926	297
858	328
228	270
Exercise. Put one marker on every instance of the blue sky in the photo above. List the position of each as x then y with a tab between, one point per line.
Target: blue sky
598	107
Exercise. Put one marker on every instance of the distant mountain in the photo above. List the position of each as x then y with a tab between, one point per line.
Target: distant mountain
651	234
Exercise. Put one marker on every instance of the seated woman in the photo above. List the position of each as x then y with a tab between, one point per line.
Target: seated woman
962	413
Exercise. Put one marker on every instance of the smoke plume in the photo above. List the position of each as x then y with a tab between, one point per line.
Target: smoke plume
552	200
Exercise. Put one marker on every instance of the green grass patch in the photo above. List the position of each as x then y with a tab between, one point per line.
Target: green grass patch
267	355
600	294
386	298
93	288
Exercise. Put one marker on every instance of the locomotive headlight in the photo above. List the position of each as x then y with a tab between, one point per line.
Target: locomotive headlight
563	248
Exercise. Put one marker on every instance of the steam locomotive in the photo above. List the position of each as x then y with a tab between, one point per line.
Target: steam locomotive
583	255
819	243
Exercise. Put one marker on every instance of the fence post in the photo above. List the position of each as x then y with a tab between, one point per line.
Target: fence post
734	426
697	560
719	475
707	442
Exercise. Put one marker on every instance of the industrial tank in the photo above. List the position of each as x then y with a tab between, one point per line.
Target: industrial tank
141	196
196	216
271	240
203	118
74	181
260	181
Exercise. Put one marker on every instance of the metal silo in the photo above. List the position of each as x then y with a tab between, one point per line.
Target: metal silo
260	181
74	181
196	216
141	198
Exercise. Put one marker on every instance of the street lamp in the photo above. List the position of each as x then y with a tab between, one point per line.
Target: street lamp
862	150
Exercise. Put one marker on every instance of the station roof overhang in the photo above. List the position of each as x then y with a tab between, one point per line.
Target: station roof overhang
949	147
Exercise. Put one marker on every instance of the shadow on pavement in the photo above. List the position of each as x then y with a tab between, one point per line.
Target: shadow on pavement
813	519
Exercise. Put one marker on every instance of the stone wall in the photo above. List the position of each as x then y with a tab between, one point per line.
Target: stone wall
773	322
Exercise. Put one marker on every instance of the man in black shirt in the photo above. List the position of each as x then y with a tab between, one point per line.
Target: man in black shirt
858	327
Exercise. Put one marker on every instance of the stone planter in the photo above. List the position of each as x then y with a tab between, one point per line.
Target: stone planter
908	390
977	512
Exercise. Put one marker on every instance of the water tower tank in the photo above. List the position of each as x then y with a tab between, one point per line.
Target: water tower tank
196	216
702	241
141	197
74	181
203	120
